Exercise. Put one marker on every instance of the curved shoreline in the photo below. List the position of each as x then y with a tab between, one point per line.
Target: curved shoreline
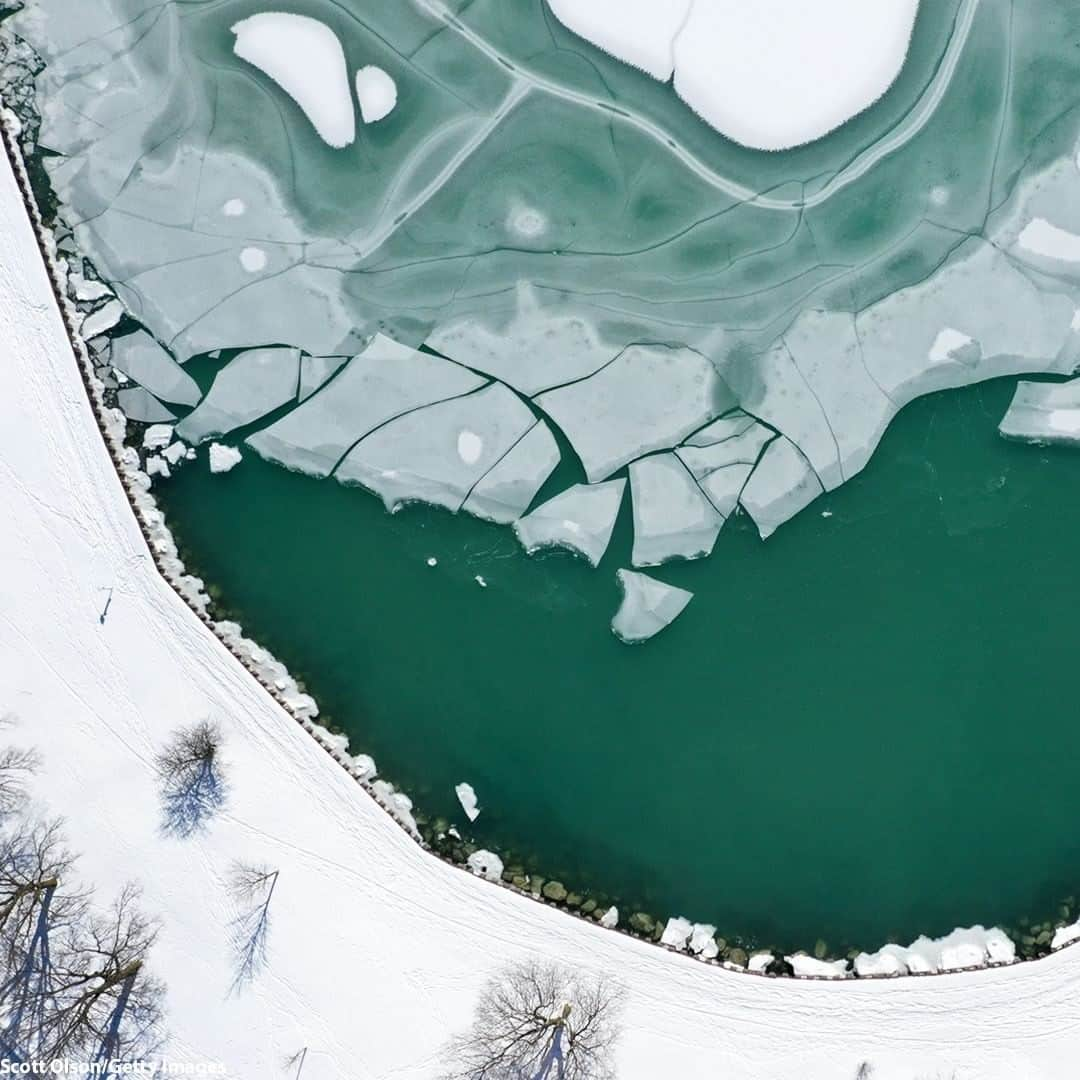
269	673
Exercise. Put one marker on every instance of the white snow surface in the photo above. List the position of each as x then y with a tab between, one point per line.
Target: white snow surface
305	58
418	938
377	93
771	74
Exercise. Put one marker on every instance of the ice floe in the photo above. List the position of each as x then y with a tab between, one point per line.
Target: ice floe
485	864
467	797
418	457
672	517
315	371
140	405
252	384
140	357
650	397
782	484
224	458
1044	413
377	93
305	58
648	606
157	436
505	492
386	380
102	320
580	519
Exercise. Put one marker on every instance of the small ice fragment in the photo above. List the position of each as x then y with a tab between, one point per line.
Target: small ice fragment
610	918
703	941
486	864
223	458
175	453
677	933
363	767
759	962
253	259
467	798
453	831
305	58
157	466
432	561
479	579
826	513
648	606
377	93
157	435
809	965
234	208
88	289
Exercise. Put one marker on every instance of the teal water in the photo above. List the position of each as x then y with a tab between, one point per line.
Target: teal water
861	729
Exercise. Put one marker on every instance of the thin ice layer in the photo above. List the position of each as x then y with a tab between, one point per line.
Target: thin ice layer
648	606
505	492
672	518
384	381
782	484
649	397
1044	413
437	454
252	384
580	519
141	358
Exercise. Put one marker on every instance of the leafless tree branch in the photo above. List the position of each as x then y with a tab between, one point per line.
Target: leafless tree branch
193	786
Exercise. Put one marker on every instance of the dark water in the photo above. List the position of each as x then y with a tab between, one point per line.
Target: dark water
865	728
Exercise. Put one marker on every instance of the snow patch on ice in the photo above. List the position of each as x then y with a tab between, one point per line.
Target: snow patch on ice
305	58
1040	237
947	344
253	259
377	93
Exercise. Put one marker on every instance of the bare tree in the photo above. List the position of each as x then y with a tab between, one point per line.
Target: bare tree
252	888
298	1060
192	776
16	767
865	1071
73	981
540	1021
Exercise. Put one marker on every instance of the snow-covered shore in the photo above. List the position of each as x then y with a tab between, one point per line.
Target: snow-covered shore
377	950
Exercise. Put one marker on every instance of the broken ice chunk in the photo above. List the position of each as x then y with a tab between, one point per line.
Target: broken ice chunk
305	58
743	448
677	933
377	93
782	484
1044	413
467	798
703	941
649	397
610	918
822	969
252	384
102	320
384	381
139	356
581	519
157	466
486	864
157	436
672	518
140	405
315	371
504	493
648	606
223	458
438	453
